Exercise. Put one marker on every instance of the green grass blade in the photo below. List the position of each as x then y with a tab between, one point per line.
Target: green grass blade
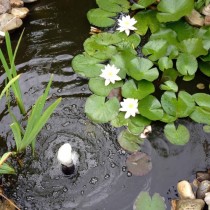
8	86
39	125
17	134
5	65
9	47
6	169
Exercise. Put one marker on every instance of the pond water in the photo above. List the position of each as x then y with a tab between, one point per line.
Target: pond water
54	33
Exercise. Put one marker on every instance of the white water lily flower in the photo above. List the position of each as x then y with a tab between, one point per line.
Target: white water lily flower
66	156
126	24
109	73
130	106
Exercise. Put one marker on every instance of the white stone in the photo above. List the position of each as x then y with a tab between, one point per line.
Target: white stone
20	12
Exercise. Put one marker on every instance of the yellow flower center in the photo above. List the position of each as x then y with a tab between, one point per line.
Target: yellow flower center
130	106
110	74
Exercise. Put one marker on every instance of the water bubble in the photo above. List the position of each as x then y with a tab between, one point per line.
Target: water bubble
129	174
82	192
83	89
65	189
59	90
113	164
93	180
106	176
124	168
29	198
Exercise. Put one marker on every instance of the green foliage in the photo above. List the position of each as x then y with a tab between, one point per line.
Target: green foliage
173	10
4	167
177	136
146	20
145	202
11	71
36	121
174	51
100	111
129	142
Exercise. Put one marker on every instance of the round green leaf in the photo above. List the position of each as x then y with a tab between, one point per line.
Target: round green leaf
201	115
174	9
120	120
129	142
168	118
100	111
177	136
150	108
145	202
165	63
169	85
97	86
140	68
114	5
203	100
86	65
205	68
186	64
137	90
101	18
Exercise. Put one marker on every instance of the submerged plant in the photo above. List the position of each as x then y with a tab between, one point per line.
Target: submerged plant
175	49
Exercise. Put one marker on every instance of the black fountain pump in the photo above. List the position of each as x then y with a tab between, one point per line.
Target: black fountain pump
68	170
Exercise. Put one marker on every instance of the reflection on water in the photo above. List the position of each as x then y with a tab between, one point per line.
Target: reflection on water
54	33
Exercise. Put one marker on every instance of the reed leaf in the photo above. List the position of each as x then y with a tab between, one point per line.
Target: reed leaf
17	134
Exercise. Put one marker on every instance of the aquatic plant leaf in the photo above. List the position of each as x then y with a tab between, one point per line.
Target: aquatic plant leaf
137	124
181	107
87	65
17	134
169	85
166	34
101	18
138	90
133	40
204	67
177	136
173	10
145	202
100	111
120	120
114	5
9	85
170	74
186	64
168	118
129	142
139	163
97	86
141	4
201	115
101	46
150	108
140	68
193	46
6	169
165	63
155	49
206	128
146	20
202	99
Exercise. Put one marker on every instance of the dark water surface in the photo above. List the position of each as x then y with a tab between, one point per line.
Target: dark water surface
54	32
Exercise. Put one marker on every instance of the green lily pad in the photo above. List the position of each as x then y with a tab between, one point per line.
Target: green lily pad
145	202
120	120
169	85
204	67
186	64
155	49
150	108
165	63
168	118
193	46
146	20
177	136
203	100
100	111
170	74
101	18
138	90
140	68
173	10
87	66
97	86
114	5
129	142
139	164
200	115
142	4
